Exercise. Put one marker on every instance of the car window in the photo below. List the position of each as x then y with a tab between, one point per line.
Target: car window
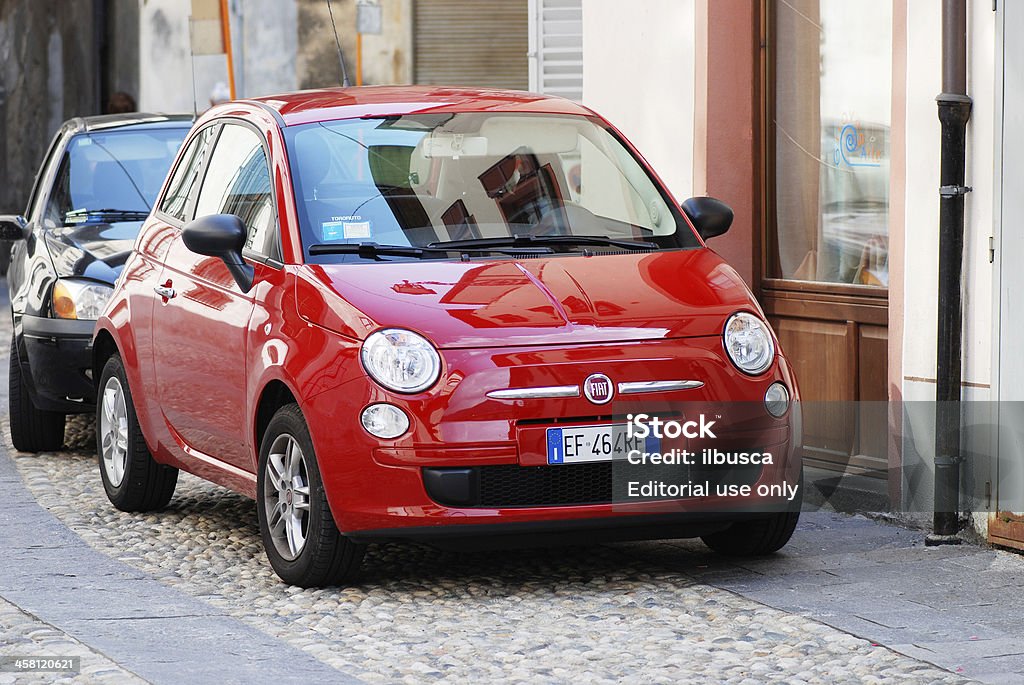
113	171
175	201
237	181
45	169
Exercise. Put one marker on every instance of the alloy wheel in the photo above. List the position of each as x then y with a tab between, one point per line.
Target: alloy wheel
286	496
114	431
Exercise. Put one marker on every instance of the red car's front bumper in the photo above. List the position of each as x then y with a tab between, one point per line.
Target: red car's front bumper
475	466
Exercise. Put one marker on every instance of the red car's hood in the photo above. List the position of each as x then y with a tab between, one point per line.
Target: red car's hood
551	300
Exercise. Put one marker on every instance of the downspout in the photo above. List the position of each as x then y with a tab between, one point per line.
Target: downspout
954	112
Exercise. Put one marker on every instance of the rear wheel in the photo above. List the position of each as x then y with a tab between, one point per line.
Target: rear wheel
32	429
298	531
133	480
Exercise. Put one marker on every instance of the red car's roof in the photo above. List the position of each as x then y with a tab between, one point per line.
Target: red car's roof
348	103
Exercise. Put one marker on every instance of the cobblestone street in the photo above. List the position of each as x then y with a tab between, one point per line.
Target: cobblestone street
622	613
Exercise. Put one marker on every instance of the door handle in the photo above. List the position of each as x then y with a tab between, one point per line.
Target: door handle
164	291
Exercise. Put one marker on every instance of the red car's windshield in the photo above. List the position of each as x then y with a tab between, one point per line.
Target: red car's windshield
428	180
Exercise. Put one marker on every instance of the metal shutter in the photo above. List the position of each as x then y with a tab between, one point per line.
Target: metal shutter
471	43
556	47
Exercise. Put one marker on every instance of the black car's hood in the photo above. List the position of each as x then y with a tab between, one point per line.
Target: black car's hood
96	251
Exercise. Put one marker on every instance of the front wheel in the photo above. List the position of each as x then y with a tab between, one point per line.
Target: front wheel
298	531
32	429
758	537
133	480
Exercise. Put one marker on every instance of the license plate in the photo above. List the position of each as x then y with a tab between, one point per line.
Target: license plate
585	444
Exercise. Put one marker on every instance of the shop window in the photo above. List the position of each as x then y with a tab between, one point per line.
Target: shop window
832	111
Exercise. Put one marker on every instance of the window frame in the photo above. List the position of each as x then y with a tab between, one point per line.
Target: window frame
220	123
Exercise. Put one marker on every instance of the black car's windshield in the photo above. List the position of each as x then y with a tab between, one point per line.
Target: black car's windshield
473	180
111	176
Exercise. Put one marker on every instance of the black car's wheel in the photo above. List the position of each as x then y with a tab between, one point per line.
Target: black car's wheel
32	429
133	480
299	533
758	537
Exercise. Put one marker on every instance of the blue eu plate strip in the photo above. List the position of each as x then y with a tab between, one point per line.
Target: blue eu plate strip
555	453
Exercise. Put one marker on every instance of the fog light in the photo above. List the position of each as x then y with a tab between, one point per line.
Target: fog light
776	400
384	421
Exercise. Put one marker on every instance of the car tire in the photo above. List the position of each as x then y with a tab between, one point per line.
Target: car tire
32	429
758	537
132	479
299	534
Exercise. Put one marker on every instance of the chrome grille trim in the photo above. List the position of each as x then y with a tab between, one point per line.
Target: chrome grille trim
638	387
535	393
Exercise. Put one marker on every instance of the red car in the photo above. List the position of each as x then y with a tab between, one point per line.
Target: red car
441	314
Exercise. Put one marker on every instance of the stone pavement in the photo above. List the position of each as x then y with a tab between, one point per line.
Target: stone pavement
56	591
186	595
961	608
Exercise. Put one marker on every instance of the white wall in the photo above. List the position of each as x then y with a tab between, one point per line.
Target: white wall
165	74
638	72
924	82
264	41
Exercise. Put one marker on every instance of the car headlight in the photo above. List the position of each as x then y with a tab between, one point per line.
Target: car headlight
749	343
401	360
73	299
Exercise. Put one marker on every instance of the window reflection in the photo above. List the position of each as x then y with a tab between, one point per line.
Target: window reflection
832	115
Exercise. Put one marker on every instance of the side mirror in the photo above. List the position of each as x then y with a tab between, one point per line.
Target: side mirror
221	235
710	217
12	227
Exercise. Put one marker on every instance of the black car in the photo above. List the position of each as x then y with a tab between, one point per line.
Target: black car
93	191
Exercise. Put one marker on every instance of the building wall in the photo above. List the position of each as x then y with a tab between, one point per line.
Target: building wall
638	72
264	46
387	58
48	73
165	70
265	42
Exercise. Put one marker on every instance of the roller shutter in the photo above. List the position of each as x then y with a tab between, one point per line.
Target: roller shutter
471	43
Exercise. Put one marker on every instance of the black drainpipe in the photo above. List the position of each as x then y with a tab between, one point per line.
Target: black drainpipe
954	112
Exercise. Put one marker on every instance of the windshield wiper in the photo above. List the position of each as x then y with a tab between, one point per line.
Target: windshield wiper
371	250
77	216
544	240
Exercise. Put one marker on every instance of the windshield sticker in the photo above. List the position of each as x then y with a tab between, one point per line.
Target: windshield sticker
345	228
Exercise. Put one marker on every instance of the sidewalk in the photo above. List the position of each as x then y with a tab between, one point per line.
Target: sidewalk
960	608
58	596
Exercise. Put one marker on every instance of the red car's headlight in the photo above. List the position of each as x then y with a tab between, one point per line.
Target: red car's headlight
401	360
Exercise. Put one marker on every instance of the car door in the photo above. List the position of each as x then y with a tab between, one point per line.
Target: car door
200	327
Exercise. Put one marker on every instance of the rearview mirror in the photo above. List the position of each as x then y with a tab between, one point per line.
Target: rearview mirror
710	217
221	235
12	227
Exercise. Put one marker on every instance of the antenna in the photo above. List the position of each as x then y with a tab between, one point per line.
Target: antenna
192	61
341	57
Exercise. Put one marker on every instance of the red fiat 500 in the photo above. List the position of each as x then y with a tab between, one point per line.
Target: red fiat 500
441	314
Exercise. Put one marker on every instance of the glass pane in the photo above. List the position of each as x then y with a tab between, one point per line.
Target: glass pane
832	115
185	175
116	170
420	179
238	182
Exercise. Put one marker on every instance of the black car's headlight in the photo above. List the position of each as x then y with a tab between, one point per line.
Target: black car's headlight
77	299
